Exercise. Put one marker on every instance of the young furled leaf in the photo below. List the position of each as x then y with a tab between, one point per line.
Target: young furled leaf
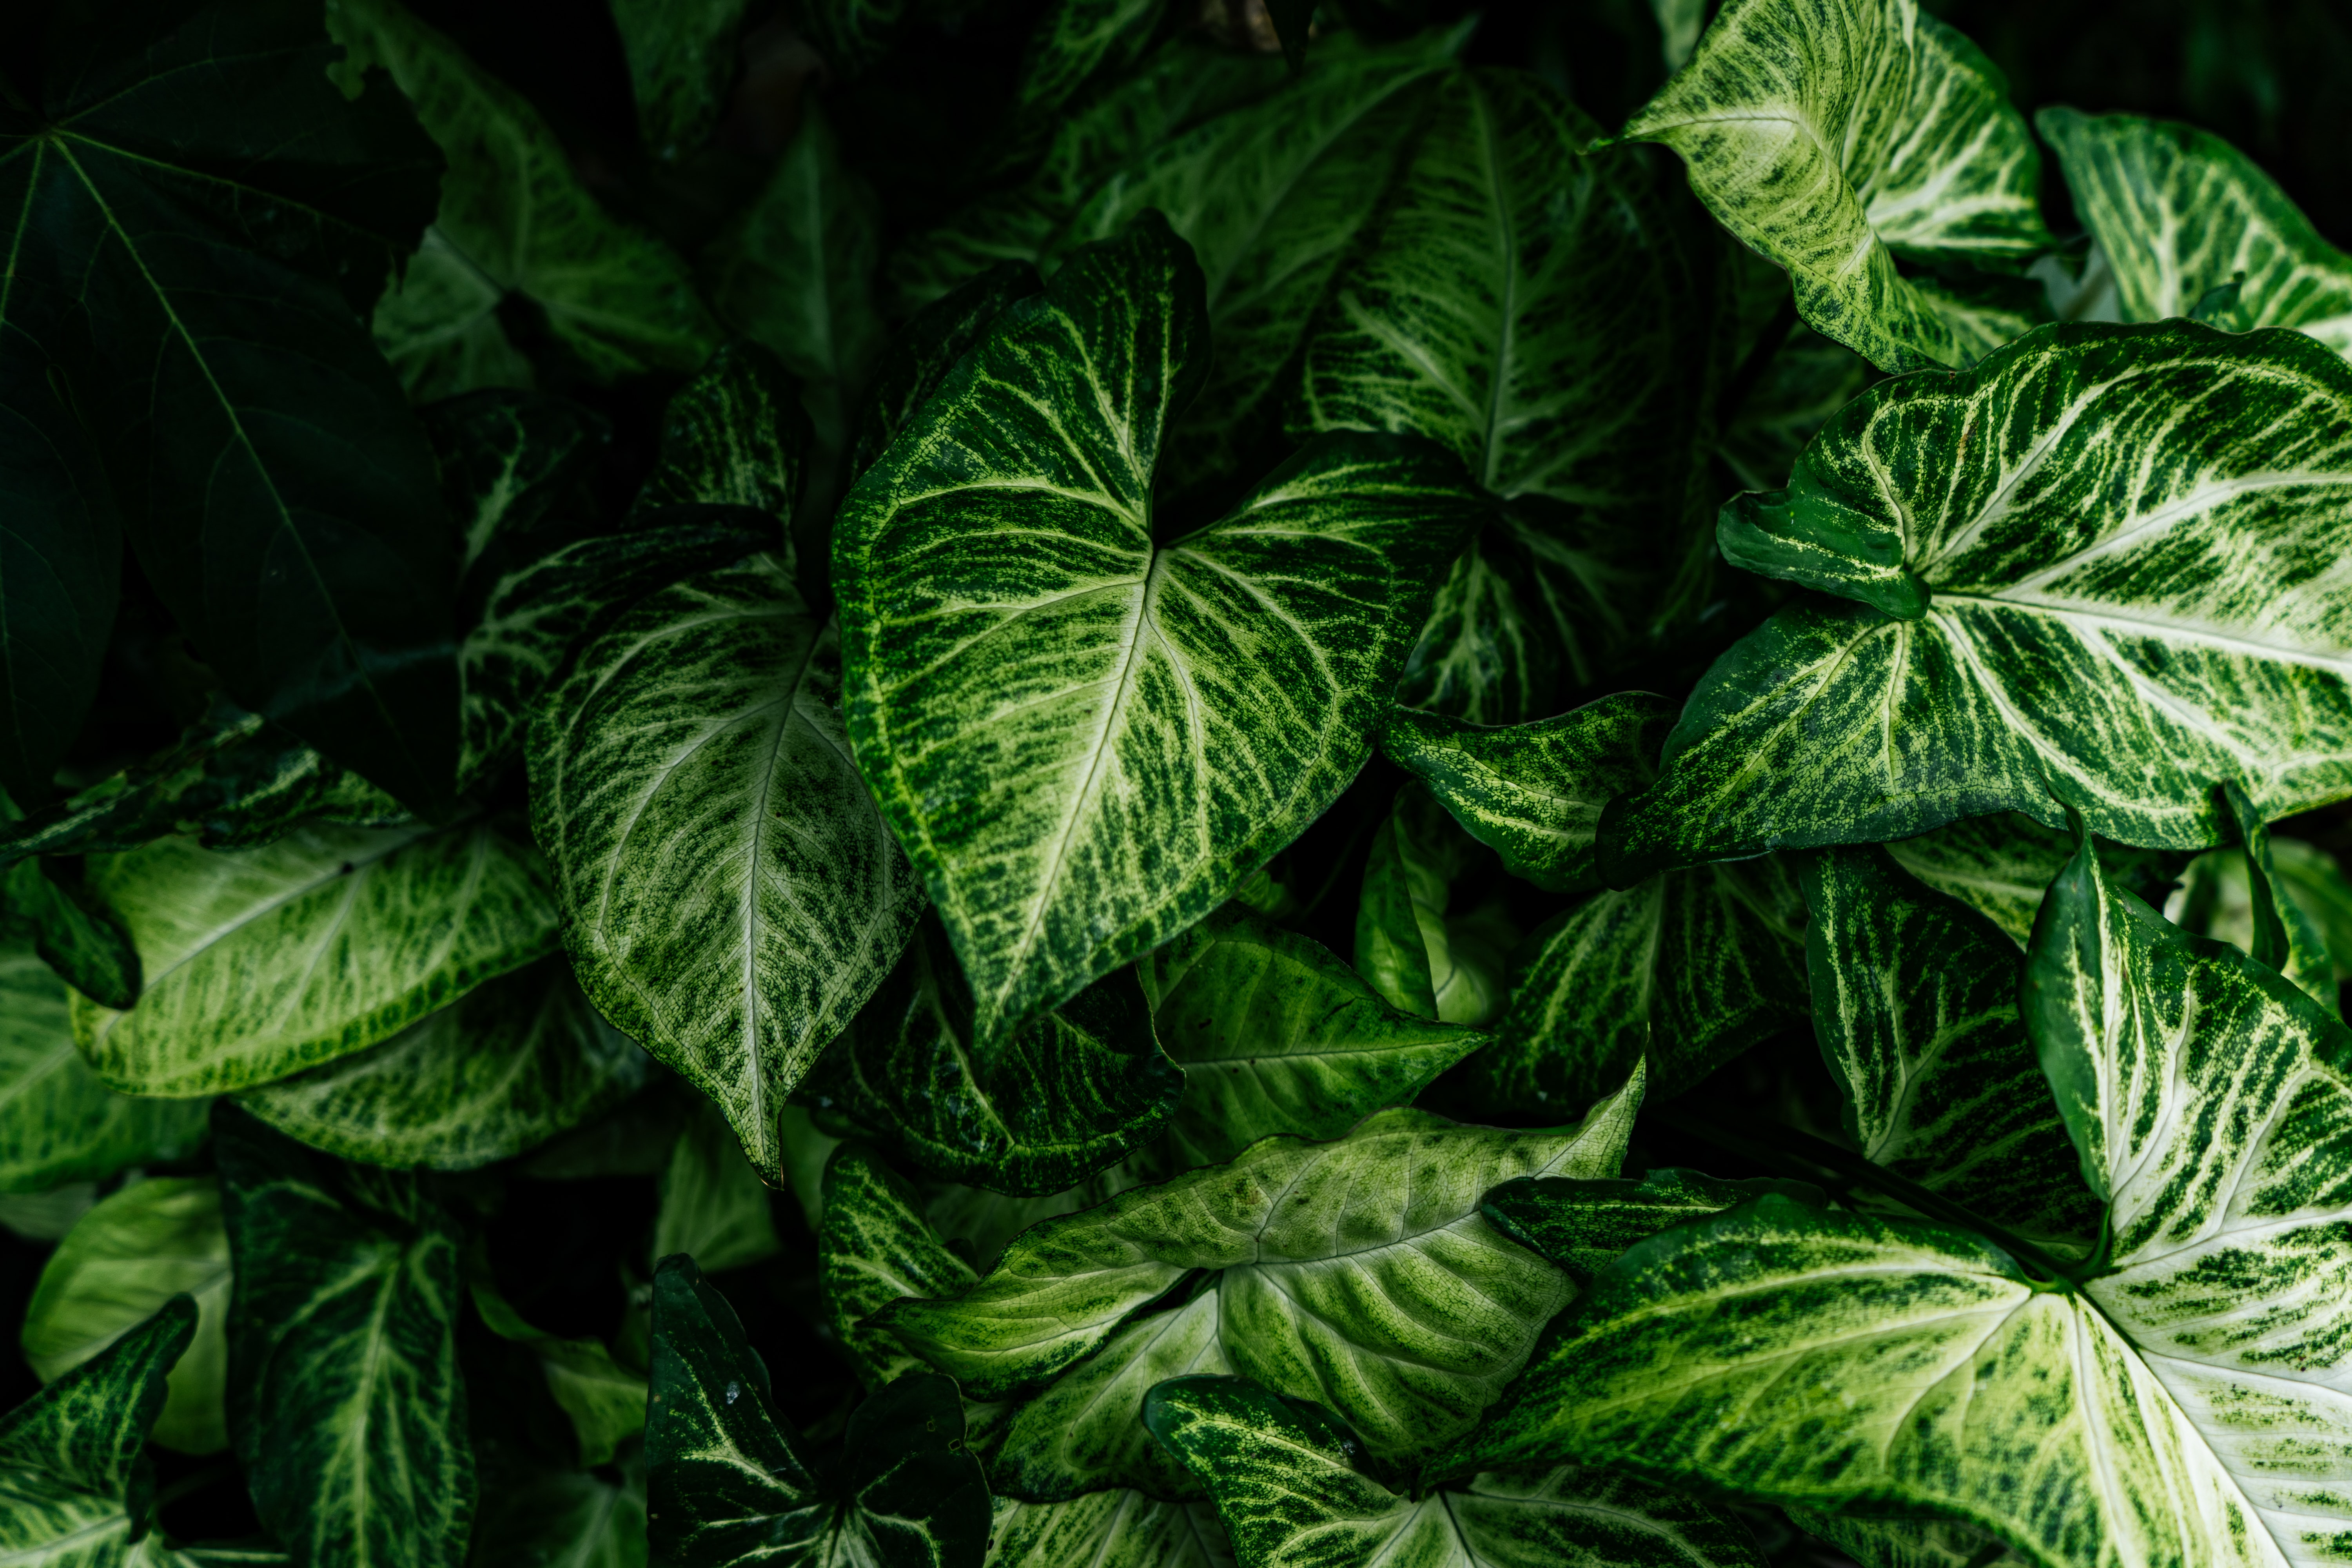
1533	793
1287	1489
1086	737
1915	1003
714	1207
1543	315
1832	135
495	1074
872	1247
1585	1225
731	1482
2172	592
682	60
515	220
2177	211
1122	1528
1414	956
264	962
2181	1403
73	1467
344	1399
1357	1271
926	349
118	1266
1065	1097
59	1124
198	216
1276	1035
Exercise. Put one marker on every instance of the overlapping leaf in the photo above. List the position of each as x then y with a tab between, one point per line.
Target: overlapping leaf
1084	737
714	1207
872	1247
1419	949
2072	600
1122	1529
2001	865
682	60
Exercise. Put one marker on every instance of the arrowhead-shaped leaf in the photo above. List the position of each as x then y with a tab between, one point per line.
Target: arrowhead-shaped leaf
872	1247
1283	1477
1059	715
260	963
1122	1529
2059	598
1276	1035
1831	136
495	1074
344	1399
1358	1271
2178	212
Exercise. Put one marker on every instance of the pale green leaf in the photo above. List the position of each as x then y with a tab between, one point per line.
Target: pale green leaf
260	963
550	1517
57	1122
46	1216
714	1207
604	1401
1419	953
344	1398
2314	881
515	219
1084	737
872	1247
1915	1004
1276	1035
115	1269
1357	1271
1533	792
2070	601
498	1072
1065	1097
682	60
1831	135
2001	865
76	1488
1679	22
1286	1484
2178	212
1108	1529
730	894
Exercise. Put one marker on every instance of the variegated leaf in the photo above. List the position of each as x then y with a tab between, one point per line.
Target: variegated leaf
2001	865
1420	953
1357	1271
714	1207
926	349
1084	737
682	60
2062	598
260	963
1908	1542
2237	896
733	435
1287	1486
872	1247
1832	136
2178	213
1585	1225
1120	1529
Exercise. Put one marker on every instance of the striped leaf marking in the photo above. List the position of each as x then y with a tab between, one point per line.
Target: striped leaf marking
1831	136
1084	737
2099	566
873	1247
1357	1271
1119	1529
2179	213
1287	1486
1584	1225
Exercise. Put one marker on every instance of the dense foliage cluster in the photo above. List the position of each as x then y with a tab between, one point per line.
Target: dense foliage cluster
1354	826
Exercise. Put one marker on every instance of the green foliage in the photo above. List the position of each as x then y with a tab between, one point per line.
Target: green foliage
902	783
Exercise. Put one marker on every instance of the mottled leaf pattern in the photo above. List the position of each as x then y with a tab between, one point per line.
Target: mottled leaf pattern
1585	1225
682	58
2001	865
1420	951
927	347
872	1247
1122	1529
733	435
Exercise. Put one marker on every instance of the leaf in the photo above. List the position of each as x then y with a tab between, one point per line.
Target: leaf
262	962
441	328
1584	1225
1915	1003
1685	969
1076	46
79	1486
682	60
1358	1271
2170	590
850	34
1908	1543
1416	957
730	1482
873	1247
1831	135
575	1518
2178	212
2239	897
198	216
1065	1097
344	1399
926	349
977	1223
1161	758
795	272
1543	315
1108	1529
604	1401
57	1122
1533	792
1287	1489
1809	378
74	930
733	435
494	1074
714	1207
515	217
515	471
1275	1035
116	1268
2001	865
730	894
2178	1405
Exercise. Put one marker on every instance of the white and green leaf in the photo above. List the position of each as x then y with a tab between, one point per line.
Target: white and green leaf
1122	1528
872	1247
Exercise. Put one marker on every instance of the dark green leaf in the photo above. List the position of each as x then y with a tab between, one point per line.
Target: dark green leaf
734	436
1584	1225
927	347
514	471
2001	865
714	1207
1419	954
682	60
2279	934
1077	46
577	1518
1108	1529
604	1401
872	1247
75	930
